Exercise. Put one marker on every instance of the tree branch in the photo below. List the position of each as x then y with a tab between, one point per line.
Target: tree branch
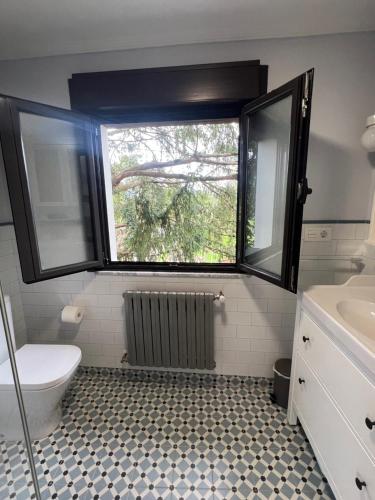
165	175
136	170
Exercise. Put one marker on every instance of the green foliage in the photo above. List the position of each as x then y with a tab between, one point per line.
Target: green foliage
180	213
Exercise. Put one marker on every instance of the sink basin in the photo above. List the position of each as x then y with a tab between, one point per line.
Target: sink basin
359	314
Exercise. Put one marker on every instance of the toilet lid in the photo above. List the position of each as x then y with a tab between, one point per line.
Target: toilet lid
41	366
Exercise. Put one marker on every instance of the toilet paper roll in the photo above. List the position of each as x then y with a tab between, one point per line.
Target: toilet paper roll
72	314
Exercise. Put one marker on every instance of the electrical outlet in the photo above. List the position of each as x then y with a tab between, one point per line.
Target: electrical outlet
315	233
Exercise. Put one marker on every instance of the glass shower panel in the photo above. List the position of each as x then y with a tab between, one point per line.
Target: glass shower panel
17	473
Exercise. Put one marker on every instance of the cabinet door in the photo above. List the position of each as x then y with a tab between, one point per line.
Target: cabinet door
51	158
272	181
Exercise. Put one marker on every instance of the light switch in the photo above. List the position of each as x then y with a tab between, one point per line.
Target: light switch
316	233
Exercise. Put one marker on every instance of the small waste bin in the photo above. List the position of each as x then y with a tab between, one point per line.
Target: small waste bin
281	371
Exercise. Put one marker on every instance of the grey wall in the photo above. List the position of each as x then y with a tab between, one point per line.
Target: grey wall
339	169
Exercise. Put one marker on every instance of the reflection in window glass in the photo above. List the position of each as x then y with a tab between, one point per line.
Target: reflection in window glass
267	173
55	159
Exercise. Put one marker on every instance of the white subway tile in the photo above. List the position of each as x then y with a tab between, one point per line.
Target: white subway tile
85	299
7	262
111	300
271	346
282	306
350	247
8	275
218	343
46	299
95	312
6	248
222	330
111	325
5	233
237	288
319	248
269	292
229	305
362	231
117	313
288	320
252	305
91	325
229	344
266	319
237	318
344	231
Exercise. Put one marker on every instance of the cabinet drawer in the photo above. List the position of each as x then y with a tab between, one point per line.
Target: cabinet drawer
343	455
350	389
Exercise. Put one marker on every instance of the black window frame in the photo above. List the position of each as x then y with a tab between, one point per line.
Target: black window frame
300	89
191	267
16	175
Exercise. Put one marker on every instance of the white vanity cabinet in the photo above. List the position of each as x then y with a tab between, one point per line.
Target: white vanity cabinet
333	396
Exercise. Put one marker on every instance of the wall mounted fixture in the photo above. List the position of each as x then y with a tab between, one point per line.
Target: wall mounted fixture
368	137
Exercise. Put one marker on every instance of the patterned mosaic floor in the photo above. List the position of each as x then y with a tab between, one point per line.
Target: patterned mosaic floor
148	435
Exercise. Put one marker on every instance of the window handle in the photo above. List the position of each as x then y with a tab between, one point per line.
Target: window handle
360	484
301	380
303	191
369	423
305	339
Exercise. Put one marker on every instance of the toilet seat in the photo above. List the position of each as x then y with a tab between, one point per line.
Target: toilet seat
41	366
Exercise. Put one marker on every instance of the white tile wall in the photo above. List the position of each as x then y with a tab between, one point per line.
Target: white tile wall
333	262
9	279
252	329
240	323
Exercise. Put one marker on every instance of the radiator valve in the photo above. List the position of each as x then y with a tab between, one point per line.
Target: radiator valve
220	297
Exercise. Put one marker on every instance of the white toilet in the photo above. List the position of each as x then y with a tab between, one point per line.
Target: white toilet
44	372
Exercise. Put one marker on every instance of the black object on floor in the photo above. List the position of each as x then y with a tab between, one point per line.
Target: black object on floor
281	370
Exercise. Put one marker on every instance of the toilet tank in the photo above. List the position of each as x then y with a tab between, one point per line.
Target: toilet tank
4	355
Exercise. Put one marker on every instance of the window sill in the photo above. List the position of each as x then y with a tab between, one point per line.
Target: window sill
169	274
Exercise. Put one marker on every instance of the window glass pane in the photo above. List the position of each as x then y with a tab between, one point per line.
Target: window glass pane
56	165
173	192
267	173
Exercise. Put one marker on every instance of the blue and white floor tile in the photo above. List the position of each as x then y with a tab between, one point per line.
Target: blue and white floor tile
148	435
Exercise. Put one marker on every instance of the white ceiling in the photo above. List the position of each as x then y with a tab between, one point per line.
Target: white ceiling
31	28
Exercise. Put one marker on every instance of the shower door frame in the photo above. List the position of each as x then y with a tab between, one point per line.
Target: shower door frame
18	390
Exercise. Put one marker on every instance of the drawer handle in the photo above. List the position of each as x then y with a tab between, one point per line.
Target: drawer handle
360	484
301	380
305	339
369	423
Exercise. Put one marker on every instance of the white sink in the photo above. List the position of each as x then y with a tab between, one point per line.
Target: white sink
359	314
348	312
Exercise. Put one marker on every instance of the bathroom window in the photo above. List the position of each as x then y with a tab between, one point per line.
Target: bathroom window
173	192
160	195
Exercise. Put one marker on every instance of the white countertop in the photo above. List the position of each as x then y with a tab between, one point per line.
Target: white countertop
322	301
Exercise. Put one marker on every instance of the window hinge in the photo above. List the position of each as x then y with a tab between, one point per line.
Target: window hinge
292	274
305	99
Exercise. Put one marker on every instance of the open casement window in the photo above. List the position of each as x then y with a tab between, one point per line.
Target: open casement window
272	182
51	158
56	180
